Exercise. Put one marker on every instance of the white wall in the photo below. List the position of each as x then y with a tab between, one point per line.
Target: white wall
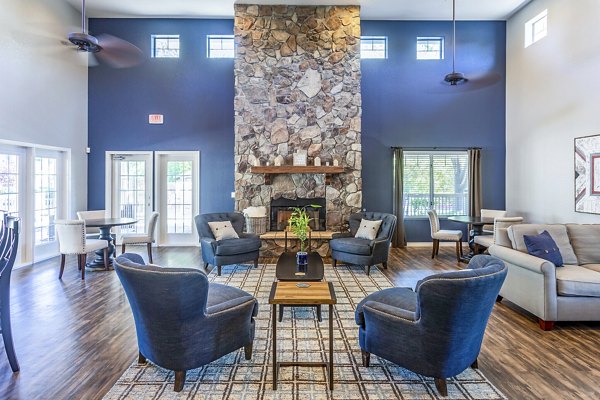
553	96
43	84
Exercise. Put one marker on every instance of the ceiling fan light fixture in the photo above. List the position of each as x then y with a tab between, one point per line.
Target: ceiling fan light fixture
84	42
455	78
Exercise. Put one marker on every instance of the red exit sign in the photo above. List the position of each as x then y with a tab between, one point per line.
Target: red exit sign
155	118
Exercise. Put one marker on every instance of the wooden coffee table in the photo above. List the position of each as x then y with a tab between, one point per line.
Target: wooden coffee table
286	270
289	293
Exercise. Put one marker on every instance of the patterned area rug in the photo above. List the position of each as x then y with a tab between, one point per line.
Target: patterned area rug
300	337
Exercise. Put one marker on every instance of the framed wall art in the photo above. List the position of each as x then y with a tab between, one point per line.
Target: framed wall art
587	174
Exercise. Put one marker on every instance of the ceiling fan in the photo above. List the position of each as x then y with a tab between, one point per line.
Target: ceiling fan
458	78
107	49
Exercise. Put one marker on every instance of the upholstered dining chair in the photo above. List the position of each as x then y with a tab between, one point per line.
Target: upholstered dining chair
501	225
146	238
485	213
227	251
182	321
9	244
437	329
347	248
93	233
438	234
72	240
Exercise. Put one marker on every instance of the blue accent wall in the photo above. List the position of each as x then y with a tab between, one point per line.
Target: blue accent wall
194	93
404	104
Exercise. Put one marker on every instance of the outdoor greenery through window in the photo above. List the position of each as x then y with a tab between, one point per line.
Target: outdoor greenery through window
373	47
165	46
221	46
430	48
438	180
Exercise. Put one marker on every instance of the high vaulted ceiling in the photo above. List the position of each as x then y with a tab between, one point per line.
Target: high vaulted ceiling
370	9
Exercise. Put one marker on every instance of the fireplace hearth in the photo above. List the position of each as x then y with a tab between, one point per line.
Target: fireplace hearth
281	210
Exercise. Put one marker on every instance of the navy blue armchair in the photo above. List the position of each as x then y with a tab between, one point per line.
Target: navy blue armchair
228	251
182	321
437	330
349	249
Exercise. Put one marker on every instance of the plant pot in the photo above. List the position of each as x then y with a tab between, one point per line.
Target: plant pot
302	261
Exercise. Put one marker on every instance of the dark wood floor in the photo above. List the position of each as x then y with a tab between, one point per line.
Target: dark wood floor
74	339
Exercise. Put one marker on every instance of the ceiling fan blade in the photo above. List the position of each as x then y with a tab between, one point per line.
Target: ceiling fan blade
473	83
118	53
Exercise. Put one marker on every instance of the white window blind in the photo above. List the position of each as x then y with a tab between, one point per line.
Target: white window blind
437	180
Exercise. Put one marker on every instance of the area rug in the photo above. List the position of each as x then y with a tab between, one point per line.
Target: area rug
300	337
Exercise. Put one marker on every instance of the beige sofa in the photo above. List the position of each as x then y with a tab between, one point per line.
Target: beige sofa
569	293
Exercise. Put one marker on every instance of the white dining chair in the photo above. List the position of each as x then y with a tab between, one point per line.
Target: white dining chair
500	235
92	214
485	213
72	240
142	238
438	234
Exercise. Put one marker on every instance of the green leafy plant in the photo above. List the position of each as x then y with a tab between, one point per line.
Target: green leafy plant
299	223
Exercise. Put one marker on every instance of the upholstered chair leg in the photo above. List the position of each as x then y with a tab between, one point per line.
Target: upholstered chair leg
475	365
141	358
440	385
206	267
366	358
256	263
149	246
458	251
461	247
433	249
62	266
499	299
367	269
475	248
248	351
179	380
384	265
122	248
83	261
333	262
546	325
106	259
437	247
218	270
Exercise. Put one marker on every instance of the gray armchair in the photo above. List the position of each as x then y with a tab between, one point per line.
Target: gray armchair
347	248
437	330
228	251
182	321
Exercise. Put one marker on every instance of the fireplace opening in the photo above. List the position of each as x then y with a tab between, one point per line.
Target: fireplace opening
281	211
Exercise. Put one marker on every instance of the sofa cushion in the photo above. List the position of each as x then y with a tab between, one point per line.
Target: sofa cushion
573	280
351	245
558	233
585	240
593	267
543	246
231	247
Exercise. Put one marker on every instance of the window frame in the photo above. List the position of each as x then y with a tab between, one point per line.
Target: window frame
153	47
432	192
373	38
530	32
440	39
221	37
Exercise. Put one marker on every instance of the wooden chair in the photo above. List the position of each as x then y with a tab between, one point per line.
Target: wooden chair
72	240
438	234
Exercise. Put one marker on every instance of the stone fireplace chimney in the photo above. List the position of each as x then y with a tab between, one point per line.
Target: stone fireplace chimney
297	87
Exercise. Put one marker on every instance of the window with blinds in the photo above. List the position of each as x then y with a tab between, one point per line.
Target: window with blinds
438	180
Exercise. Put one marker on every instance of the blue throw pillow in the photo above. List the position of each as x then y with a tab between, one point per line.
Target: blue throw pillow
543	246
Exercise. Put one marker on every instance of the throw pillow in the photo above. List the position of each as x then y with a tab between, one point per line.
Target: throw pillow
543	246
222	230
368	229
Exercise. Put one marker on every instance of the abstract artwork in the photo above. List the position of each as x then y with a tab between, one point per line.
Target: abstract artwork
587	174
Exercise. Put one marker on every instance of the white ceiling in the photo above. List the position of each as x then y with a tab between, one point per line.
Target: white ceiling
370	9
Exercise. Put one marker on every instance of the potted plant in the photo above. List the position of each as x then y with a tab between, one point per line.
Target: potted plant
299	225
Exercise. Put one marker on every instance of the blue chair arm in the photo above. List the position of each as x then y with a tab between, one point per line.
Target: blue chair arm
233	305
131	257
380	311
380	247
341	235
212	243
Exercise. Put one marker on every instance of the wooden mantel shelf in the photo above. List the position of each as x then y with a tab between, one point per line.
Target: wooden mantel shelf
297	169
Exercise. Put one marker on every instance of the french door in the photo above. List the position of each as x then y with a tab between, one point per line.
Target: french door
177	194
130	189
138	183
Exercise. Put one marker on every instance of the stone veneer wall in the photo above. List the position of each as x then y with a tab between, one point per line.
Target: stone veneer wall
297	87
